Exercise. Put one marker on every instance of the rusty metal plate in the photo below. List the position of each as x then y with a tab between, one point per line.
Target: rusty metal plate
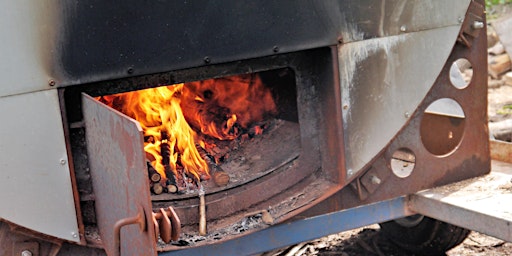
119	178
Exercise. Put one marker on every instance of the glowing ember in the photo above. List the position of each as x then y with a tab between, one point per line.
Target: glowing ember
221	108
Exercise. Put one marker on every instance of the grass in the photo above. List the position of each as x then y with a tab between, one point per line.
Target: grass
490	3
505	110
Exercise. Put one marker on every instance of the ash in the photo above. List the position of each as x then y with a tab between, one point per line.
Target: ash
253	222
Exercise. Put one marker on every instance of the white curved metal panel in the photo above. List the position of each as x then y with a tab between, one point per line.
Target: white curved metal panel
35	182
383	81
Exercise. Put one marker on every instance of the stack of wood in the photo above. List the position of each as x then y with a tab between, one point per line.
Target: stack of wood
499	64
170	184
500	53
500	70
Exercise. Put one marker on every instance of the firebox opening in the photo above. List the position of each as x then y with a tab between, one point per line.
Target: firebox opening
214	134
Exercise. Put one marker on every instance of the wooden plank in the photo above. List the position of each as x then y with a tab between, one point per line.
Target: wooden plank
499	65
508	78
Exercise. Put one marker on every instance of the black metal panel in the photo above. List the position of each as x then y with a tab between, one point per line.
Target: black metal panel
141	37
104	40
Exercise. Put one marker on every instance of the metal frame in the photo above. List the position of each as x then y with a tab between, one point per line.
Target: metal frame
303	230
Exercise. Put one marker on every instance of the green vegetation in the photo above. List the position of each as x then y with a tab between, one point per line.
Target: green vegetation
505	110
489	3
495	7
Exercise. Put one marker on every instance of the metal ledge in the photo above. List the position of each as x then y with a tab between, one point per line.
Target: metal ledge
481	204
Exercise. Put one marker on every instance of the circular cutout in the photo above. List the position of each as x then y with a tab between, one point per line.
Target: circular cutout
442	126
461	73
402	162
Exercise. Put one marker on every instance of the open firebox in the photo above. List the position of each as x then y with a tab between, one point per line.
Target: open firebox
169	125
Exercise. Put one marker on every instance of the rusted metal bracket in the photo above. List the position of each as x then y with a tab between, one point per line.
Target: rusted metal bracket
472	24
369	182
167	224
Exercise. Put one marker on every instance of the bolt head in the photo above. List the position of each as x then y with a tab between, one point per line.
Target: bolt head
26	253
403	28
478	25
376	180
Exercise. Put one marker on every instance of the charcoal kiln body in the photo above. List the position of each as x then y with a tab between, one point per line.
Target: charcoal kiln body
358	86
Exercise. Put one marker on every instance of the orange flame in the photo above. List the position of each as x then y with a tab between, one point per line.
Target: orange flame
158	110
220	108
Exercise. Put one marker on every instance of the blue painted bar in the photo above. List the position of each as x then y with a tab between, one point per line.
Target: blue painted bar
287	234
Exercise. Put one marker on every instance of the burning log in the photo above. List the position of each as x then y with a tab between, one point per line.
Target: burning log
165	151
157	188
220	177
154	179
171	186
153	175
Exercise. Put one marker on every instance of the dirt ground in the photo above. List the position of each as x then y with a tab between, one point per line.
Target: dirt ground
370	241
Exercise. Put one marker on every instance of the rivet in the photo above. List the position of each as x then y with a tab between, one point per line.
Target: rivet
345	107
63	161
206	59
51	82
376	180
26	253
403	28
478	25
275	49
407	115
74	234
130	71
460	19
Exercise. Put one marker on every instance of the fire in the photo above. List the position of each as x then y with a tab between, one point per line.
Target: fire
172	116
158	111
224	108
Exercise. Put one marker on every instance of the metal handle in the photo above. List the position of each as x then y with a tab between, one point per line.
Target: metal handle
140	219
